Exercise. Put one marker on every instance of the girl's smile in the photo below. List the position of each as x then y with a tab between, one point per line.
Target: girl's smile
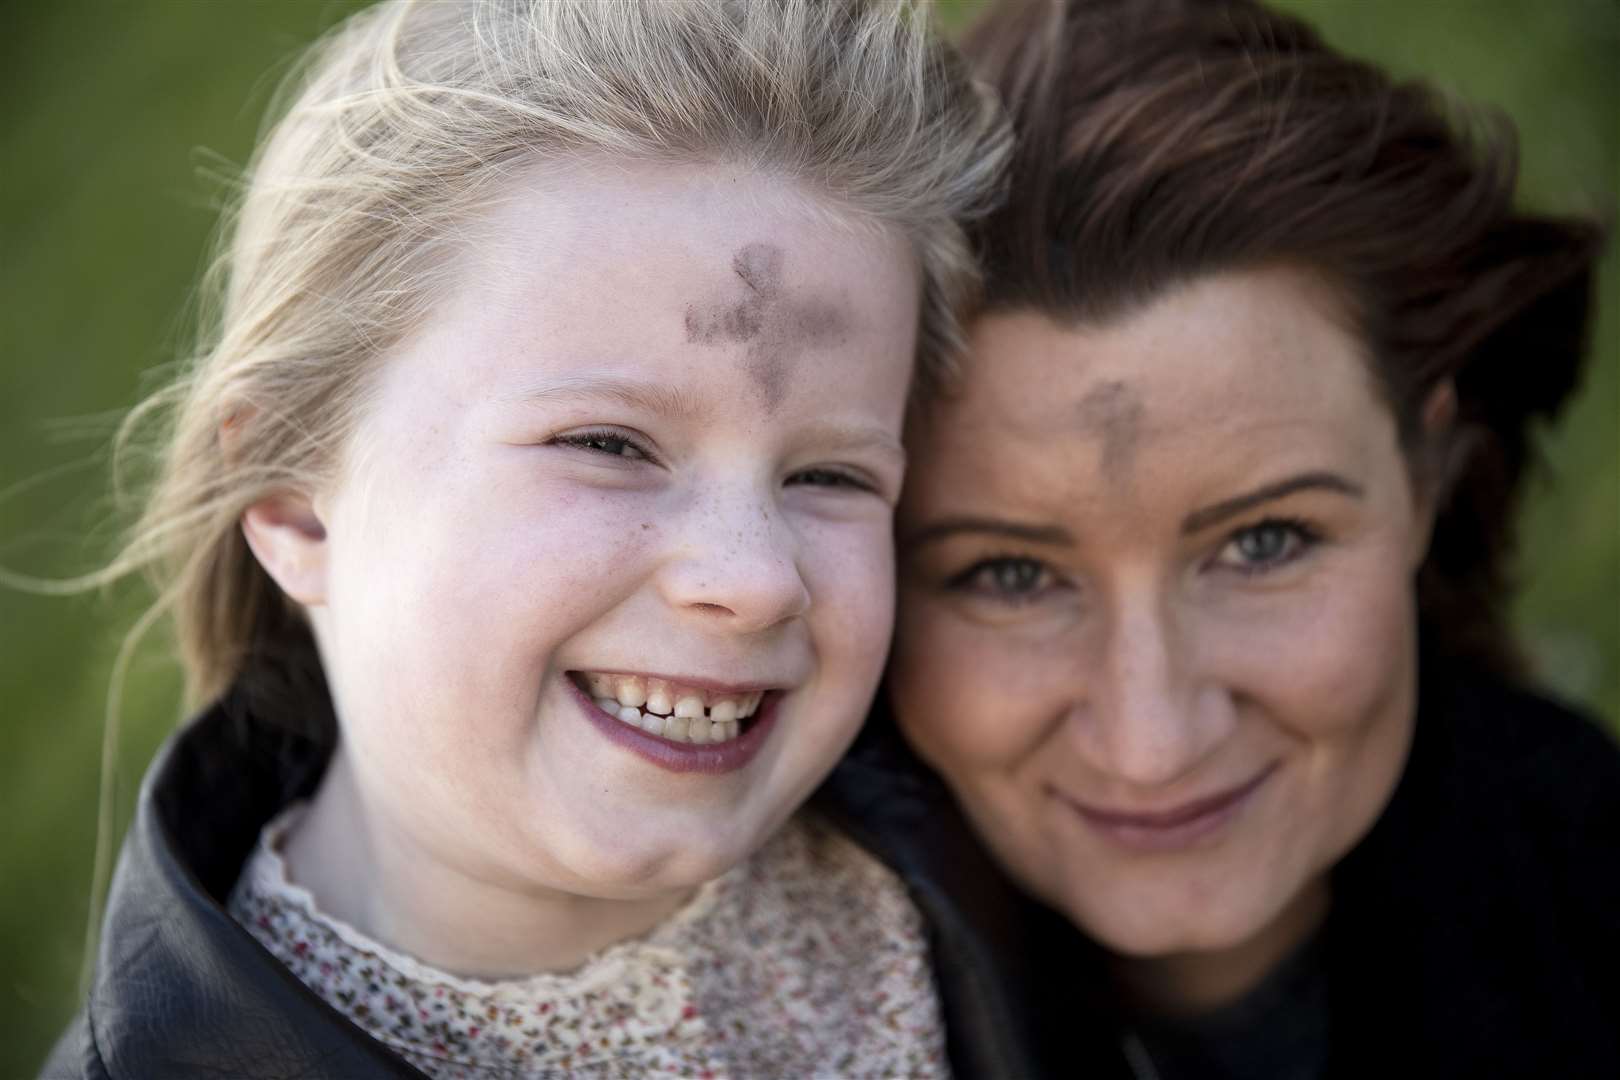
679	724
681	710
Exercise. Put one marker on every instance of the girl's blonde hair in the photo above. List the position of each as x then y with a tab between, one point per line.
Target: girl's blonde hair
404	122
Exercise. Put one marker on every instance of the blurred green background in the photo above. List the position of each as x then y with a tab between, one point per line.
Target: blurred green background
118	121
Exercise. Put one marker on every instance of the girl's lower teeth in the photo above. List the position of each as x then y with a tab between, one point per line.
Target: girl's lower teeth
698	729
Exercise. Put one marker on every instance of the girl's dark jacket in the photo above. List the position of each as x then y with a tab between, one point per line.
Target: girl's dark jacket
1475	932
181	991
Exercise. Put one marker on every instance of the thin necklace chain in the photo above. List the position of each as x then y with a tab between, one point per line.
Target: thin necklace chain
1138	1058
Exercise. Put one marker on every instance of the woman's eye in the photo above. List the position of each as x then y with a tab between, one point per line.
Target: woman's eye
1266	545
1011	578
603	442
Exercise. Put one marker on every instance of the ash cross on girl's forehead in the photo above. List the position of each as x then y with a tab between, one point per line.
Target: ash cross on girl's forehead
775	328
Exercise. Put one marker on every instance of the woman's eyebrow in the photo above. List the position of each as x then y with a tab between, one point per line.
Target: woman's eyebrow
635	393
945	528
1199	520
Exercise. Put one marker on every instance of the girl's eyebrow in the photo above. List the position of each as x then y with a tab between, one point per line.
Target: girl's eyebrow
835	437
1202	519
635	393
678	404
945	528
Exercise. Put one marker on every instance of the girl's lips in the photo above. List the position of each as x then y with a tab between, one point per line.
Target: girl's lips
1174	828
681	757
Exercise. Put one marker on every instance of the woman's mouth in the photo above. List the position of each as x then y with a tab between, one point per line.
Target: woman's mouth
1171	828
679	725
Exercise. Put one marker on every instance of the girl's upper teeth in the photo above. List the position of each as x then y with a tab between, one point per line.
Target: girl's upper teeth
658	700
693	729
663	698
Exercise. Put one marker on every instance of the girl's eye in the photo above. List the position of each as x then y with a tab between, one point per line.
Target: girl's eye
830	478
1270	544
604	442
1012	578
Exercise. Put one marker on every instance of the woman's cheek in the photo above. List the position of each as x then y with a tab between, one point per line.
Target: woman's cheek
1329	659
848	568
967	694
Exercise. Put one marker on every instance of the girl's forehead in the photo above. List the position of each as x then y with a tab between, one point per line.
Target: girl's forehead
638	270
600	225
617	207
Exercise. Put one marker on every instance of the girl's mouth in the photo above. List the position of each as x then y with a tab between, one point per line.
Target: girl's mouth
679	726
675	711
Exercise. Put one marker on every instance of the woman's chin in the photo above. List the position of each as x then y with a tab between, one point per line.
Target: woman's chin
1143	940
1182	951
1148	927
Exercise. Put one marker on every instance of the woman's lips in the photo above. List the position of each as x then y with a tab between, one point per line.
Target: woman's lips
683	757
1173	828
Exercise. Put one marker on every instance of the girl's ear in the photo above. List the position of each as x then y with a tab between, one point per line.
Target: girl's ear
288	539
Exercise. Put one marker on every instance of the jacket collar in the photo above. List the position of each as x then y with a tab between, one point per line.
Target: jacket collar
181	990
1005	966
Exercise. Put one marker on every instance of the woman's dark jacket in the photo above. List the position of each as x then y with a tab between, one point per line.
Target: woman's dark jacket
1474	932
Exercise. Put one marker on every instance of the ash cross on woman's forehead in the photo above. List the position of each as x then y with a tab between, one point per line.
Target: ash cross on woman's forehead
1113	412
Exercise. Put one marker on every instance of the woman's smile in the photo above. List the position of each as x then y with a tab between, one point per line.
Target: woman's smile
1198	821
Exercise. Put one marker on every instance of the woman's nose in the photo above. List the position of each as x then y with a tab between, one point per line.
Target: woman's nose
1147	714
736	564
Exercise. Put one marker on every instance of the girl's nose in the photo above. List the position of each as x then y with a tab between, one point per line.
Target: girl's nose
737	565
1146	713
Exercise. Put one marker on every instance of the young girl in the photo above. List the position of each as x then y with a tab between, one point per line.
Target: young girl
528	524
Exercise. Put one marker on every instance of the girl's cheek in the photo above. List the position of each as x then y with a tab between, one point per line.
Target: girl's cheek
848	567
592	527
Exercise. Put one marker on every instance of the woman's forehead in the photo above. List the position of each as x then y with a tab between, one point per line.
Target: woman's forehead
1257	338
1225	375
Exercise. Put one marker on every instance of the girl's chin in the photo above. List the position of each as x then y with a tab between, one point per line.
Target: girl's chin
626	858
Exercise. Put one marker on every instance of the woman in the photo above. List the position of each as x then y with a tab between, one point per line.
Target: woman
1203	578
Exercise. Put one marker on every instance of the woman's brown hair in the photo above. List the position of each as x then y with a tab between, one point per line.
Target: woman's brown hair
1164	140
